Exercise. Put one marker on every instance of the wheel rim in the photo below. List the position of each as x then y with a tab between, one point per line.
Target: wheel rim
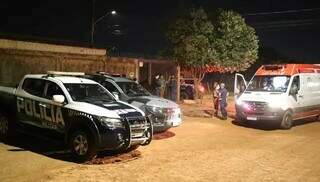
3	126
80	144
287	121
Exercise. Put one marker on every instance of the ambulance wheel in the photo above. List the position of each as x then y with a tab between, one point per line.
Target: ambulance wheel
7	128
82	146
241	121
286	122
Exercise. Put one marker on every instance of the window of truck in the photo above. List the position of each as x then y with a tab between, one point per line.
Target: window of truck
53	89
296	82
268	83
88	92
34	86
133	89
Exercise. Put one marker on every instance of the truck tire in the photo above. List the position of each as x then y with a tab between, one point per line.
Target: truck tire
241	121
132	148
184	96
7	128
286	122
82	145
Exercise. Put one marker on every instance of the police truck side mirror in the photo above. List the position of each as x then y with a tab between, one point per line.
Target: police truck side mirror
58	99
116	95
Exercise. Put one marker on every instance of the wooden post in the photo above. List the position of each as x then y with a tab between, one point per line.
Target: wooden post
150	73
137	69
178	83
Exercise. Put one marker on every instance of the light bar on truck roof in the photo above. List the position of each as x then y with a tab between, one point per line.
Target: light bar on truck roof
273	67
60	73
110	74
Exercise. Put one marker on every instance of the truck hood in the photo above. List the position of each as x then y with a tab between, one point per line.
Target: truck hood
113	109
154	101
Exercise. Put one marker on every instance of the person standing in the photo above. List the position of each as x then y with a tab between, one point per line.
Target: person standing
157	85
216	88
162	82
173	88
223	94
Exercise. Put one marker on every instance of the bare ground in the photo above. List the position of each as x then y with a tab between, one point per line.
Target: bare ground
202	149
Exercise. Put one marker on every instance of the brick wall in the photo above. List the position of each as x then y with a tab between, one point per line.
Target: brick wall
14	64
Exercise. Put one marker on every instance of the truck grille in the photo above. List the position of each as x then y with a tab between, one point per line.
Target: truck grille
138	126
257	107
137	121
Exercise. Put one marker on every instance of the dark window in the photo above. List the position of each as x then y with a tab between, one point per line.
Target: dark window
296	82
110	87
34	86
53	89
92	93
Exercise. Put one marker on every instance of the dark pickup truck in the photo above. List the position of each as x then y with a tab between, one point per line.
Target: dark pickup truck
77	111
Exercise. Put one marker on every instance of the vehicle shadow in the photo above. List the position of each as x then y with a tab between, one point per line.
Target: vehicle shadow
58	150
163	135
49	148
269	126
257	125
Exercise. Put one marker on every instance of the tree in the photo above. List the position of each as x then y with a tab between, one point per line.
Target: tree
189	37
235	42
223	44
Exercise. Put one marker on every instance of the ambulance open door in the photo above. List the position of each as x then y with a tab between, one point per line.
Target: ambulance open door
240	85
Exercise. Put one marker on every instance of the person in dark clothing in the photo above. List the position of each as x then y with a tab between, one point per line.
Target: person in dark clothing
172	88
157	85
223	94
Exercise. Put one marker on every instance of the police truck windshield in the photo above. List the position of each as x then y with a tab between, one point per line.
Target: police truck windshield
133	89
88	92
269	83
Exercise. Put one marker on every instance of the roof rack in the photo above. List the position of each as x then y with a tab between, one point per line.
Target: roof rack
60	73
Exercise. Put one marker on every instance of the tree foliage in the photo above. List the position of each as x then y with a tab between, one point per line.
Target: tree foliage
235	41
223	43
190	40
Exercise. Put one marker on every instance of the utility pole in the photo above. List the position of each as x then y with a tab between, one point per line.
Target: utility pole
178	78
92	22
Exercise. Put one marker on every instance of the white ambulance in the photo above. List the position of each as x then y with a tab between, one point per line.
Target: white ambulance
280	93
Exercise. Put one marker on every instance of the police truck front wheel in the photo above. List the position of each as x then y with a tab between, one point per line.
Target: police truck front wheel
286	122
82	146
6	128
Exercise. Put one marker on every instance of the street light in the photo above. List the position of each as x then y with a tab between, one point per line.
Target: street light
94	22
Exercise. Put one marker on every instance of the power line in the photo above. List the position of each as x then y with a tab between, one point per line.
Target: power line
283	12
288	22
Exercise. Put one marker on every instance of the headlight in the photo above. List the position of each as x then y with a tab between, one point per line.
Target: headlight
112	123
239	102
154	110
244	105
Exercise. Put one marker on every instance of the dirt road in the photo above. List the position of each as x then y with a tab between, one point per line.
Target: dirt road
203	149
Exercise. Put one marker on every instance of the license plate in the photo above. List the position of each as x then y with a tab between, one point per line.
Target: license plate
252	118
137	134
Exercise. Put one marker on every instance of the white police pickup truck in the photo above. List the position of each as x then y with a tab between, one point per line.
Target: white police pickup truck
78	111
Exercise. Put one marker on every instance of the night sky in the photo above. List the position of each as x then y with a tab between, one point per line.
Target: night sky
289	28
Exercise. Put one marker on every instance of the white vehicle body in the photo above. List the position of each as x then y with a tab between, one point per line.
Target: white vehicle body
281	93
73	109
